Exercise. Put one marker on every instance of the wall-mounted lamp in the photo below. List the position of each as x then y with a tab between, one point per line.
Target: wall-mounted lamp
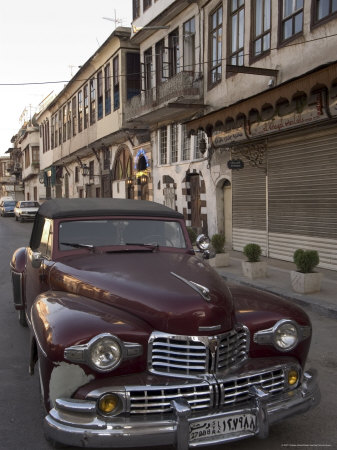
85	170
129	181
143	179
49	173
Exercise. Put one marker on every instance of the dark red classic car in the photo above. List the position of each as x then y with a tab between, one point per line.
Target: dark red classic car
139	342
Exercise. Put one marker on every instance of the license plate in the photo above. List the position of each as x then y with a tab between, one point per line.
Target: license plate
221	426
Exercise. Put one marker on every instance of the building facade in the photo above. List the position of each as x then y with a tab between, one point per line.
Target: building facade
268	109
86	146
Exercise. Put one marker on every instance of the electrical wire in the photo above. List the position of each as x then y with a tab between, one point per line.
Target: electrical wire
85	80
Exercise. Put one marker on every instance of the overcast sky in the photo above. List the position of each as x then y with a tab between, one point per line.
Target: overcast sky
39	42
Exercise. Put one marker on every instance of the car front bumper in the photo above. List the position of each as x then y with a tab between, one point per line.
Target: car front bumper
76	422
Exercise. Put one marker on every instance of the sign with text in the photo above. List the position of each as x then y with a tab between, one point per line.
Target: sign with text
235	164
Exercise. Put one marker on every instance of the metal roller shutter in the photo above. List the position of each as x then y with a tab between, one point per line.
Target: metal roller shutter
302	192
249	206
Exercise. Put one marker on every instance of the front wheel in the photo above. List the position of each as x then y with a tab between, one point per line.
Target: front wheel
21	219
16	218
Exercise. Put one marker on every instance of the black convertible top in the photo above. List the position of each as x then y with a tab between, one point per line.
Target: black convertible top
87	207
60	208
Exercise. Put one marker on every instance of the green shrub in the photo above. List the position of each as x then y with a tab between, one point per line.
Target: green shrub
252	252
192	234
306	260
218	242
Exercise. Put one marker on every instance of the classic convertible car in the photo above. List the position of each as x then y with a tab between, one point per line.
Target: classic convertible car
139	342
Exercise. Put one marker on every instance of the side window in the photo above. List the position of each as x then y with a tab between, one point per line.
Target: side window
45	246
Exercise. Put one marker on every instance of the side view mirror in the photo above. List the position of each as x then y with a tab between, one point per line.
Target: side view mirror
36	259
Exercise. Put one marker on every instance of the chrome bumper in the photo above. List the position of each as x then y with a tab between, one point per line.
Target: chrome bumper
76	423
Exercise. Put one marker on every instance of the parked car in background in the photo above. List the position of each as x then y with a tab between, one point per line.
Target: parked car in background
26	210
7	207
139	342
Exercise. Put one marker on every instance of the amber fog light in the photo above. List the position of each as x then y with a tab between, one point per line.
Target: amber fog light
109	404
292	377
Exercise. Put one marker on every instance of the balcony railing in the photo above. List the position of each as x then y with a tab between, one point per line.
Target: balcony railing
181	88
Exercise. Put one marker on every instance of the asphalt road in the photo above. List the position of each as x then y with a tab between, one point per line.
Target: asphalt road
21	413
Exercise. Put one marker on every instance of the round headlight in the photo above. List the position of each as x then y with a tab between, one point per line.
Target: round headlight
105	353
286	336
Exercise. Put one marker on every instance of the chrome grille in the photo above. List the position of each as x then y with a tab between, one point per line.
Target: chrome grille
232	348
237	390
157	400
196	355
205	396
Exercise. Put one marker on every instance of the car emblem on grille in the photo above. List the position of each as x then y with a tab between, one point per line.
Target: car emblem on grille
203	291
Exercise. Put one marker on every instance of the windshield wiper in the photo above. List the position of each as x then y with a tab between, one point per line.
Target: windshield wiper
145	247
77	245
151	247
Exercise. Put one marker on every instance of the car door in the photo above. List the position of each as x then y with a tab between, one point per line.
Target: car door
39	263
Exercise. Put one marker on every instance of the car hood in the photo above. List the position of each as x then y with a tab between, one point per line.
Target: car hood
154	286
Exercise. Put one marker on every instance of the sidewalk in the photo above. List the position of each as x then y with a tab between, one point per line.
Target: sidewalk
278	282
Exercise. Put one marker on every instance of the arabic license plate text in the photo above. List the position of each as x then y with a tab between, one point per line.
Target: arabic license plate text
208	429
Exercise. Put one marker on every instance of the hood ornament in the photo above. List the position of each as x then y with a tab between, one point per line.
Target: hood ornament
202	290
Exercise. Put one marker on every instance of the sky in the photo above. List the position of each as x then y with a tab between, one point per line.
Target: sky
42	43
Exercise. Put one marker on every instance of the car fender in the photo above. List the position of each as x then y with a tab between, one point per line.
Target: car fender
60	320
17	269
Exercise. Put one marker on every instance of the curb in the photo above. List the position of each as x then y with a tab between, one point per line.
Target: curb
315	305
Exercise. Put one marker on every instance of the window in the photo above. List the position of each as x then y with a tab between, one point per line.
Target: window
86	106
60	126
185	144
65	117
107	86
69	116
115	65
53	132
261	27
324	9
80	111
292	18
146	4
200	135
91	169
92	101
35	154
77	170
174	55
174	143
148	69
163	145
27	158
237	24
132	75
56	130
74	115
99	95
160	52
215	39
135	9
189	45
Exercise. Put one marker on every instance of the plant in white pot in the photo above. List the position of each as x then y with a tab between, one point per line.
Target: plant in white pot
305	280
253	268
221	258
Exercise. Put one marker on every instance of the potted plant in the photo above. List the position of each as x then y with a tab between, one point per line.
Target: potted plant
305	280
221	258
253	268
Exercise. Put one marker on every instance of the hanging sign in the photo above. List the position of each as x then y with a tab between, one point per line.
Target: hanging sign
235	164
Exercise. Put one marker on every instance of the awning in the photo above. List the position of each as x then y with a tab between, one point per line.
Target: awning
324	78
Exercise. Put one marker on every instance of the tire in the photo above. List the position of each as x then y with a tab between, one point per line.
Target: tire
16	218
22	317
22	219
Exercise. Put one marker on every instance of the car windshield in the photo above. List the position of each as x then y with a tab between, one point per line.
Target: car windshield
9	203
120	232
29	205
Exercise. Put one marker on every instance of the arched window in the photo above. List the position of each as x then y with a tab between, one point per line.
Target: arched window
123	164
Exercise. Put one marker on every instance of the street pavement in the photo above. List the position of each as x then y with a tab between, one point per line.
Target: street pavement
278	282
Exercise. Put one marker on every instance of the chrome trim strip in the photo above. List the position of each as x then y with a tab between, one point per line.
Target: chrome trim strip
202	290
